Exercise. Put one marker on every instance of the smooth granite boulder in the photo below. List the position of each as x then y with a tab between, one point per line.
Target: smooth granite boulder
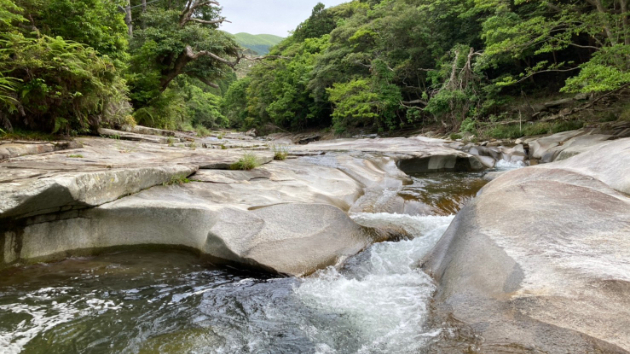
538	262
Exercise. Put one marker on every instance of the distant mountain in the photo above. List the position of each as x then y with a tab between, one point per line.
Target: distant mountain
259	43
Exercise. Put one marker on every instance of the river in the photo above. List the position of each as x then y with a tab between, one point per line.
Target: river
174	302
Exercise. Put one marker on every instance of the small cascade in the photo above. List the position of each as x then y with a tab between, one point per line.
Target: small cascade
380	297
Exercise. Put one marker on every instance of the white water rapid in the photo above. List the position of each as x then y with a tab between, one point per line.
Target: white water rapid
382	295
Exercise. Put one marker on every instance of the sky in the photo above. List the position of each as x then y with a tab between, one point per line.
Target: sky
268	16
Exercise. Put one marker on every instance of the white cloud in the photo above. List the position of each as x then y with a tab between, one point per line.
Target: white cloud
268	16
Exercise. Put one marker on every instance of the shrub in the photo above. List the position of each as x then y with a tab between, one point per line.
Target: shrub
59	85
468	125
563	126
506	132
247	162
202	131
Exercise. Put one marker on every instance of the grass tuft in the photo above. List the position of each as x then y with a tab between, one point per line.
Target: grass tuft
247	162
76	156
177	180
202	131
280	153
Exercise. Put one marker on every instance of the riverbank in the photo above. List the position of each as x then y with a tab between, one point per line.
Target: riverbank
316	209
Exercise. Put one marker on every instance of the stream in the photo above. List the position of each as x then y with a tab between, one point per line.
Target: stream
175	302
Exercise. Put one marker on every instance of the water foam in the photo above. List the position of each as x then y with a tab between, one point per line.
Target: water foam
43	314
382	297
505	165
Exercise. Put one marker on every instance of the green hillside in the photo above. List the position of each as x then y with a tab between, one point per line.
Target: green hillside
260	43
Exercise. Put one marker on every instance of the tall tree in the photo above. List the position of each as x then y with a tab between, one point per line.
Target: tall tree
179	39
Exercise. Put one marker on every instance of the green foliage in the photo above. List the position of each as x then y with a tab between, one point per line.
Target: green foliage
381	65
167	111
94	23
248	162
234	104
59	86
75	156
505	132
320	23
202	131
468	125
515	131
355	102
203	109
19	134
159	53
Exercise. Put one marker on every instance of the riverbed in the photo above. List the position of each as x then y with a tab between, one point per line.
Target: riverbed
143	301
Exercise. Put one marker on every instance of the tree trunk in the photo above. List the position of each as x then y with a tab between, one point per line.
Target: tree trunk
624	11
604	13
177	69
128	19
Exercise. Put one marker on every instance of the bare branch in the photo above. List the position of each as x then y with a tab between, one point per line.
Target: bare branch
266	57
546	71
213	22
193	5
207	82
404	103
192	55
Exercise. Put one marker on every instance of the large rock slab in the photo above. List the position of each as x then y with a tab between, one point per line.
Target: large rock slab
286	217
608	161
101	171
413	155
293	239
538	261
10	149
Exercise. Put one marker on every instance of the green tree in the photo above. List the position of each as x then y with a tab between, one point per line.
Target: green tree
539	32
94	23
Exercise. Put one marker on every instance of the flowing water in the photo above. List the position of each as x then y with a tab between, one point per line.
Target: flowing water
158	302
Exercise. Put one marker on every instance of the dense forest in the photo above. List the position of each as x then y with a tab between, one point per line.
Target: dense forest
70	66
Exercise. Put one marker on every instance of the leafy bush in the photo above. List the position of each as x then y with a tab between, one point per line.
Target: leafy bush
59	86
468	125
167	111
506	132
204	108
202	131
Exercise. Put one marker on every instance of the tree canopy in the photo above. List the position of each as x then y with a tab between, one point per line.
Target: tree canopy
384	65
374	65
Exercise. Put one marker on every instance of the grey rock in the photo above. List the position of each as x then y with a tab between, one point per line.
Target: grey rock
118	134
537	262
